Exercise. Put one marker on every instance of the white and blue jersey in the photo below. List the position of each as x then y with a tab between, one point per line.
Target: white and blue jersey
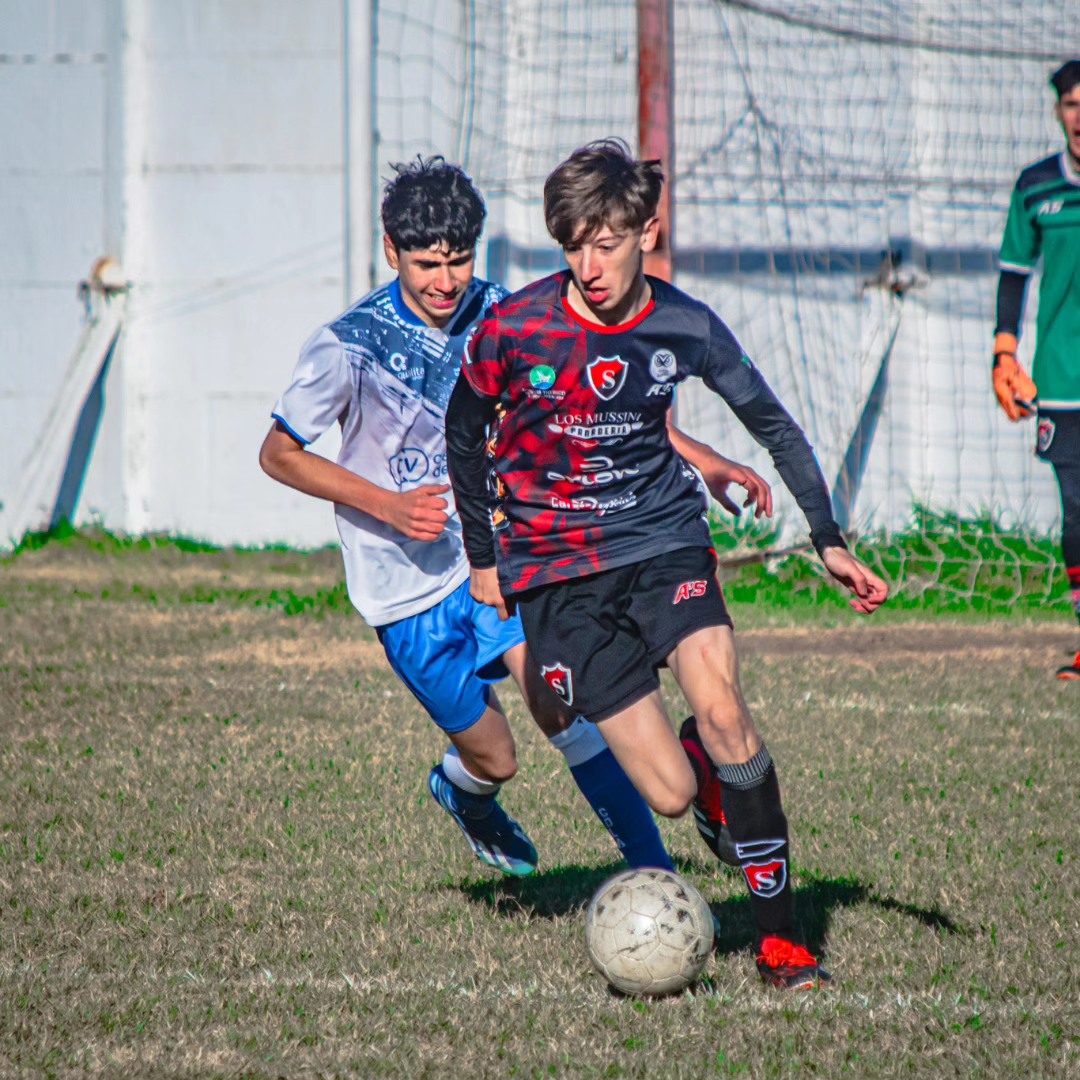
386	378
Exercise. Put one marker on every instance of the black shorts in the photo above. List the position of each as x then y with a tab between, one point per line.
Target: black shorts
600	640
1057	437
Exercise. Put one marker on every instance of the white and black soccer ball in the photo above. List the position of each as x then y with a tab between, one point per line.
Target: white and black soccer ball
648	931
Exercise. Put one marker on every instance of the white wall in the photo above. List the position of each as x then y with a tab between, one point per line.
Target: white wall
52	202
201	141
225	183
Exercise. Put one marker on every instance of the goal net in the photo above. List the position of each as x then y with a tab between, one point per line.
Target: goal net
841	176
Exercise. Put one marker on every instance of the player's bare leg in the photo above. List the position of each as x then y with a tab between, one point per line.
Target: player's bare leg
642	739
595	770
487	747
706	668
467	782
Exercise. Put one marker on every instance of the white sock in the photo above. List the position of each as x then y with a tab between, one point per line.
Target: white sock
460	777
580	742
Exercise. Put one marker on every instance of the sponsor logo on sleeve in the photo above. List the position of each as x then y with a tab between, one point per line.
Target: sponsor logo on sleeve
606	375
561	680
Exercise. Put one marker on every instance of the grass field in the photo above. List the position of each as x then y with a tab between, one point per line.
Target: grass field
218	857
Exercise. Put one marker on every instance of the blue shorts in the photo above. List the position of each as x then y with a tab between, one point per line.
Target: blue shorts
448	655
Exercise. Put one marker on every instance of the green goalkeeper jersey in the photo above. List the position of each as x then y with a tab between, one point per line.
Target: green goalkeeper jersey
1044	219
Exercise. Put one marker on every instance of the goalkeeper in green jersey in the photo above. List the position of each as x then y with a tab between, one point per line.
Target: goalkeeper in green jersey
1044	219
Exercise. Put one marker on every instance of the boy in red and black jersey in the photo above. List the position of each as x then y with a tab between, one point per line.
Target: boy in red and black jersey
603	546
584	447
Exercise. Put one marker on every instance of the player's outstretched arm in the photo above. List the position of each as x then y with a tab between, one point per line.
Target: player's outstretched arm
419	514
718	472
868	590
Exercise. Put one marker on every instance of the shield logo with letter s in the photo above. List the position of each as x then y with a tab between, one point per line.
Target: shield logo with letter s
766	878
559	678
607	375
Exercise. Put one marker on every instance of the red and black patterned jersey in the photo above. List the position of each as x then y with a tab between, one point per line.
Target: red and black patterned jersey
589	478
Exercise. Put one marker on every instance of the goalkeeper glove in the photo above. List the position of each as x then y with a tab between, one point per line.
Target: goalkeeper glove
1015	391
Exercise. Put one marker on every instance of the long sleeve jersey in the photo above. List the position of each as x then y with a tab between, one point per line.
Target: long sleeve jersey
588	479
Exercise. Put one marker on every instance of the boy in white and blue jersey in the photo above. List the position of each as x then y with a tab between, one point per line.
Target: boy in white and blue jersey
384	371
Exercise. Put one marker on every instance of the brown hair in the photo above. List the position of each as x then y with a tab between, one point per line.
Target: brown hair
600	184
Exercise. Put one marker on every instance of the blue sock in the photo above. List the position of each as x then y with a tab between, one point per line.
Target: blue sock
614	799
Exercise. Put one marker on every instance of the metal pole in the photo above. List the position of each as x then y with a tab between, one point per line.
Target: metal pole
358	158
656	116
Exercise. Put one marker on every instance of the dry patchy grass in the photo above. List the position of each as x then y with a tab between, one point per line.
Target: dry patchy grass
218	857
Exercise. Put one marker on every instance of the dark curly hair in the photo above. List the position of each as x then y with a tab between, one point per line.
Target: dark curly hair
430	202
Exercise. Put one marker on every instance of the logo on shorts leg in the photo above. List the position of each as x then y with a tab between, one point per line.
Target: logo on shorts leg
559	678
1046	434
688	590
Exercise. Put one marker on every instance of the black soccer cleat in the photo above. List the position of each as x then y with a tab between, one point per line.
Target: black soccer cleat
708	811
784	965
1070	671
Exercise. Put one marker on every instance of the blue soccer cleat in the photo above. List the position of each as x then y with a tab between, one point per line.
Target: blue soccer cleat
495	837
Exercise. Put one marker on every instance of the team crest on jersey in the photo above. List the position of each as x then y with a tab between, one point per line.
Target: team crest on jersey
1046	434
607	375
559	678
662	365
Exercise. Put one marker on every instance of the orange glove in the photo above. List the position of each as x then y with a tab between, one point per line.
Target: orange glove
1015	391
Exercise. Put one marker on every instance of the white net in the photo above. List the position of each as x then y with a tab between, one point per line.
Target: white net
842	172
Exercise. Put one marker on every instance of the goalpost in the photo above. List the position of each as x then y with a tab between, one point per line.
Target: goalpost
840	182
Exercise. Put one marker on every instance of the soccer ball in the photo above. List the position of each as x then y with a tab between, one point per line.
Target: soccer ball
648	931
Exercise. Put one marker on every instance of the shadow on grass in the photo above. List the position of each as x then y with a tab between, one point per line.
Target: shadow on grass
565	890
561	890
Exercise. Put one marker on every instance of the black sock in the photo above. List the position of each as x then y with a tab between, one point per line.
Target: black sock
751	796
